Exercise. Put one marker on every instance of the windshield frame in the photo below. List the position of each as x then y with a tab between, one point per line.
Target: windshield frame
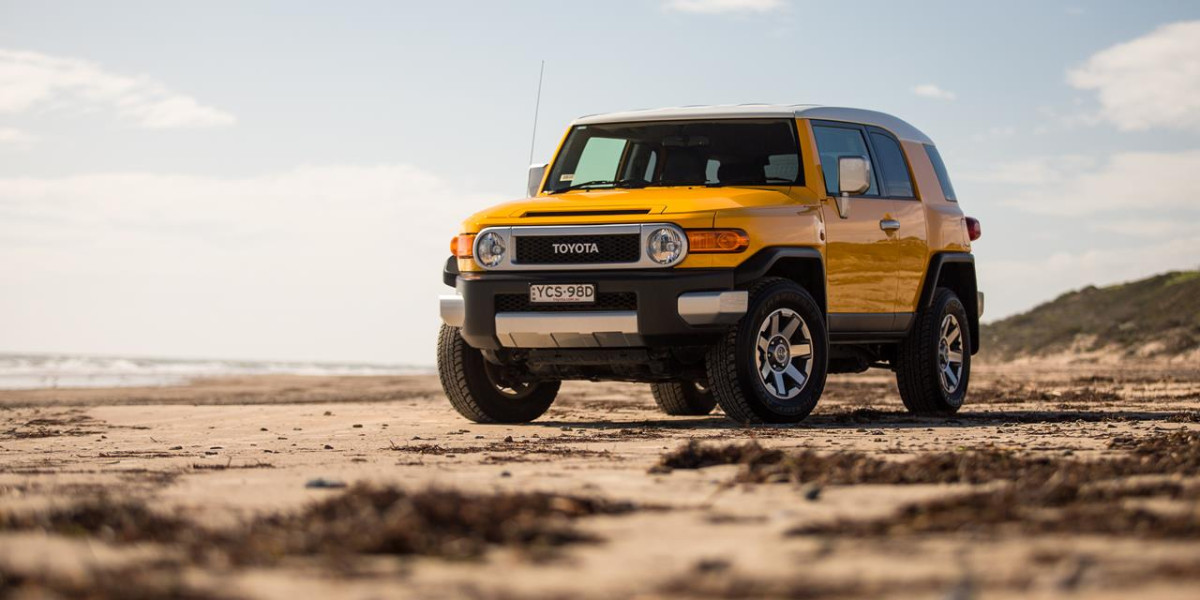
548	186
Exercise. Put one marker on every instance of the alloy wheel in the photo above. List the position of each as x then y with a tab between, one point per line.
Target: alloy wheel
784	353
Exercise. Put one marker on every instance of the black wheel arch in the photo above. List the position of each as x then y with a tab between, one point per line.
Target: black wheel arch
805	266
956	271
450	272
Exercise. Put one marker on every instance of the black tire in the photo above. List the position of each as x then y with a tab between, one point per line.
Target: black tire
471	384
683	398
920	359
733	370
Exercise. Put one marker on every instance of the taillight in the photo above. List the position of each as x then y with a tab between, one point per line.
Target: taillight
974	230
717	240
460	245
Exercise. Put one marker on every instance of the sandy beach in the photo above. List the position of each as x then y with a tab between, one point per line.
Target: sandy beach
1077	482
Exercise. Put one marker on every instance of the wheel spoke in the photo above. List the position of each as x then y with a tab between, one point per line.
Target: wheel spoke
774	324
953	337
790	329
763	343
945	328
764	369
954	357
951	377
795	374
779	387
801	351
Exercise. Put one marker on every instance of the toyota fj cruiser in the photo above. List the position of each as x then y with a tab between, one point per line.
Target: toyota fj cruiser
726	255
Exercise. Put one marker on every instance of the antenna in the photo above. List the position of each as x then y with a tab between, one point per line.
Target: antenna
536	107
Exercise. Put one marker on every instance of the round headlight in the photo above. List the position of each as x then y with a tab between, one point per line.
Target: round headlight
489	249
664	245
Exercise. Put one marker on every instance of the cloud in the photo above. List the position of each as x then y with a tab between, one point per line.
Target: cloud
318	262
30	81
1146	228
1075	186
15	136
713	7
994	133
1033	171
1150	82
929	90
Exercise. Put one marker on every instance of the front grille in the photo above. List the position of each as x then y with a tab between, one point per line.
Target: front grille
539	249
604	301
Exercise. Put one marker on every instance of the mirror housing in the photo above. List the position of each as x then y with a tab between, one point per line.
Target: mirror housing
536	173
854	178
854	175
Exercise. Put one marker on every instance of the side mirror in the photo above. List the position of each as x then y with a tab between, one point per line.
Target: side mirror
854	175
854	178
536	173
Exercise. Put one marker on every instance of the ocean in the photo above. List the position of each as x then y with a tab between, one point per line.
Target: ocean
40	371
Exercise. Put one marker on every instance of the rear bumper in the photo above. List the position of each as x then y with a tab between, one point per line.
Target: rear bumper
674	307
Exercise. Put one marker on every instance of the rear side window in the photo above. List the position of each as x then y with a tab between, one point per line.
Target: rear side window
939	168
893	169
836	142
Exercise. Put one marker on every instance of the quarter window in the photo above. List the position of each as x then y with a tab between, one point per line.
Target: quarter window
939	168
893	169
836	142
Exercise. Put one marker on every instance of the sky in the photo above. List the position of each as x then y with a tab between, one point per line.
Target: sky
280	180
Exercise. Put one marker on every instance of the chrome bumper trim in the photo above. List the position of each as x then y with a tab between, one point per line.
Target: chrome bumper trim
568	329
453	309
713	308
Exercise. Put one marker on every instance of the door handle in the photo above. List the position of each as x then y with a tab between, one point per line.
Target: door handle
889	225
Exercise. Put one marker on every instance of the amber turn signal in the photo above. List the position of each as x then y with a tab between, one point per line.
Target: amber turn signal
717	240
460	245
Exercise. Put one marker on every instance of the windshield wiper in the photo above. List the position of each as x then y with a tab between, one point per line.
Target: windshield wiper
618	183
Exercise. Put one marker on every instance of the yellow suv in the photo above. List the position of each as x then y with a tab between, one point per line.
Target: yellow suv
728	255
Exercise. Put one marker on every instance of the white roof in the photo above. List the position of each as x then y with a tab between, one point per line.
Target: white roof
898	127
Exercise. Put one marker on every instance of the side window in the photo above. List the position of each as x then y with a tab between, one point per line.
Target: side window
599	160
710	170
782	167
939	168
893	169
835	142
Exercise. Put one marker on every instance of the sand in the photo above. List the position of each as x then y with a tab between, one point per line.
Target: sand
222	466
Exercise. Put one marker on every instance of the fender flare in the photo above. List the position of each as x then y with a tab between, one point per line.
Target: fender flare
765	259
970	300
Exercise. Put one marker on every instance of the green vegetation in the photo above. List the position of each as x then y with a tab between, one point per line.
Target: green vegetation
1158	316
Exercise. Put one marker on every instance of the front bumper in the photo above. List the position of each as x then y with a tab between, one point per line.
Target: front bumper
673	307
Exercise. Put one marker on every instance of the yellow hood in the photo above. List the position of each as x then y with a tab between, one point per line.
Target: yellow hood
689	206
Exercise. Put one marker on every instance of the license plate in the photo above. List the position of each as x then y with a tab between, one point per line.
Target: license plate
576	293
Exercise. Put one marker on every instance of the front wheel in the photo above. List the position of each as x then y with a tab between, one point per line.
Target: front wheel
771	367
933	364
484	392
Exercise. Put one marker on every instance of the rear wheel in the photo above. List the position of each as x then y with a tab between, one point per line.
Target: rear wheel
771	367
683	398
484	392
933	365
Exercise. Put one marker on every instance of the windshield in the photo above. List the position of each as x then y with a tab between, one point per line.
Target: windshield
678	153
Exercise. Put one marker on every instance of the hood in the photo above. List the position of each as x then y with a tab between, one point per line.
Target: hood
622	205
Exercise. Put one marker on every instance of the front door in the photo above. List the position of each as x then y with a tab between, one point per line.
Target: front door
861	252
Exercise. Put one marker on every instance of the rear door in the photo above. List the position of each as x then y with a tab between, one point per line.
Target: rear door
911	240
